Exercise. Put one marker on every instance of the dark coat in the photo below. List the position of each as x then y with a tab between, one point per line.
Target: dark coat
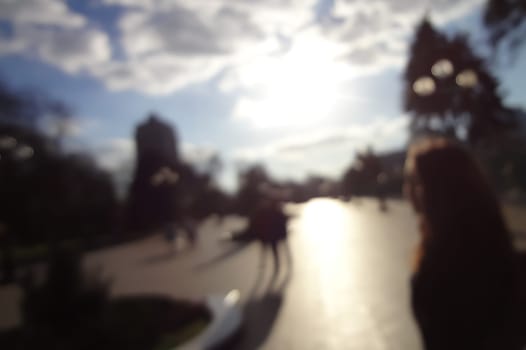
269	225
464	299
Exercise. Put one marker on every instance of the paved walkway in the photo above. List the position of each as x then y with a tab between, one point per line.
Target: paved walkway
347	287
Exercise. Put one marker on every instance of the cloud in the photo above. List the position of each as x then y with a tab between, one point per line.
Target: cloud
172	44
113	154
303	146
378	31
155	75
198	155
177	31
304	82
381	133
117	157
167	45
72	50
180	31
42	12
48	30
269	16
213	34
327	152
74	127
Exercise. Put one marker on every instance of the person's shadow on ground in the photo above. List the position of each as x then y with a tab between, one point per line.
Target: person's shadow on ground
233	250
281	271
260	315
261	310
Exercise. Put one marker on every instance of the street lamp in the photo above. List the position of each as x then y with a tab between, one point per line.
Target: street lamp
10	148
467	78
7	142
23	152
164	175
442	69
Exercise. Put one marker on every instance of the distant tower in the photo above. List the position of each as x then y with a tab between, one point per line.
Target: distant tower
155	137
152	197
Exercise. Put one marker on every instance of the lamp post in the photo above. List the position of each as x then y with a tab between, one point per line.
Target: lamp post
448	90
443	69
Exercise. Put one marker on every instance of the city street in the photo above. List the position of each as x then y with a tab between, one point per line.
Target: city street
348	285
346	288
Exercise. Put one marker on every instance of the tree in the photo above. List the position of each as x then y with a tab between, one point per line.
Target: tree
450	91
504	18
362	176
47	196
252	183
28	108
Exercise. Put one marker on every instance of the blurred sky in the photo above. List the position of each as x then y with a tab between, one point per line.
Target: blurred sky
297	84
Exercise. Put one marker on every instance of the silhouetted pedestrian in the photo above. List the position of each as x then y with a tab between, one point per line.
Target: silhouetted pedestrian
164	182
270	226
463	286
381	181
189	227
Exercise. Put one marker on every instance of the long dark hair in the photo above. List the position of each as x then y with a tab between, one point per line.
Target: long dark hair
460	215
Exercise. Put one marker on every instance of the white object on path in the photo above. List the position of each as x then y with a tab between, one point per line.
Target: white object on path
226	320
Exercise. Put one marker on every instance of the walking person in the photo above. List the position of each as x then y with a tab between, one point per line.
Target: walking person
164	183
270	226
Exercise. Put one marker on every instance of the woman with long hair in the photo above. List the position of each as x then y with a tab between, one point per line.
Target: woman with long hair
463	286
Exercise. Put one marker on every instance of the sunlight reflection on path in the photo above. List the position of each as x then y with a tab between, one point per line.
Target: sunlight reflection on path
351	276
349	284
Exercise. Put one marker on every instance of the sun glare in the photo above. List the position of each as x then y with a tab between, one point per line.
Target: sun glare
324	215
298	87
